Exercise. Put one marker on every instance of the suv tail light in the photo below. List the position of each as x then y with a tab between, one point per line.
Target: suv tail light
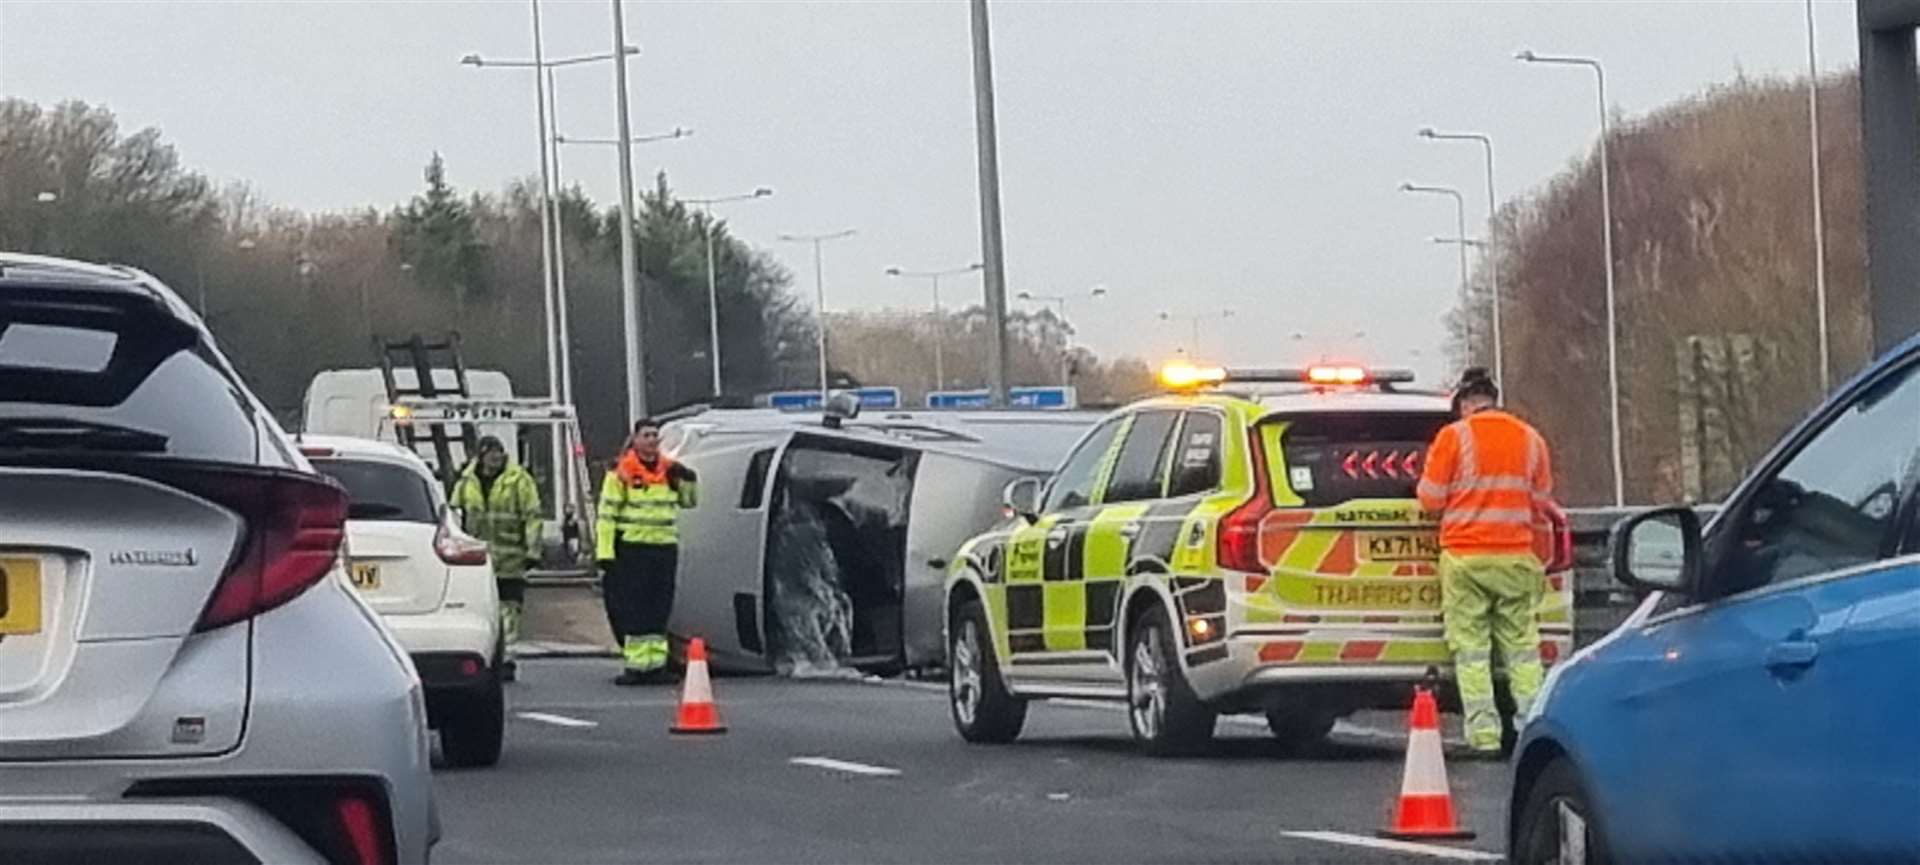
1239	531
295	525
456	547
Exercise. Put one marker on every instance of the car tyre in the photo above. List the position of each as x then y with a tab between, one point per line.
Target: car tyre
474	736
1298	727
1557	822
1167	719
983	710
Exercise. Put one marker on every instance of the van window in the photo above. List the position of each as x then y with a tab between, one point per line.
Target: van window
753	492
1141	466
1330	459
1196	460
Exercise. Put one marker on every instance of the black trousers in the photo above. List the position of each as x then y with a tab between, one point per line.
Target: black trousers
639	589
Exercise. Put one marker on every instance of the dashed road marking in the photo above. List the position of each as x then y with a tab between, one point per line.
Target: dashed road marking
1434	850
557	720
845	766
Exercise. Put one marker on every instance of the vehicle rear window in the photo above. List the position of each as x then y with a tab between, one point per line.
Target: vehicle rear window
1335	458
381	491
120	375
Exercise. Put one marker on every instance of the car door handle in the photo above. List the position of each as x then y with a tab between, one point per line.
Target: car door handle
1792	655
1056	536
1128	530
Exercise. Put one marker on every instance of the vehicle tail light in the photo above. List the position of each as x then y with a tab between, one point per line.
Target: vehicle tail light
296	523
1562	529
457	548
361	829
1239	544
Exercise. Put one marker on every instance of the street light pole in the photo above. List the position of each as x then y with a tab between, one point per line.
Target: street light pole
939	324
713	289
820	297
1606	235
559	249
987	142
630	305
548	275
1490	251
1460	224
1819	217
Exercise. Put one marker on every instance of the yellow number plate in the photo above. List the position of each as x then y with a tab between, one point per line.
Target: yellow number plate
1398	546
19	596
365	577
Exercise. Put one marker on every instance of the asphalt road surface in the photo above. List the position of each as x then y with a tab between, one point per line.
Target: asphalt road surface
857	772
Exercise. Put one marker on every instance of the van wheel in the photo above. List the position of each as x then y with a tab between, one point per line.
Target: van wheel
1167	719
475	733
1300	726
1556	822
983	710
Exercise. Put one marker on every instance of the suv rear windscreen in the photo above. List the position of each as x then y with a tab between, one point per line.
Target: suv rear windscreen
105	371
1335	458
381	491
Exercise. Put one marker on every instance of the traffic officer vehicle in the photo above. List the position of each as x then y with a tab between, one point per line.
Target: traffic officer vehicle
1759	705
1249	542
185	674
429	581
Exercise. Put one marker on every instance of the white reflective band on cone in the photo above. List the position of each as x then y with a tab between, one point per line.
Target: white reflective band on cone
1426	773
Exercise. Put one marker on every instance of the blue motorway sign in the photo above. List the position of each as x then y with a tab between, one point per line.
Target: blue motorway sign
1019	397
809	400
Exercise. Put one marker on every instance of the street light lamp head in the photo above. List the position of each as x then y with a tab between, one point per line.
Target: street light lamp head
1525	55
763	192
1427	132
1025	295
472	60
630	49
1407	186
893	271
976	266
1098	291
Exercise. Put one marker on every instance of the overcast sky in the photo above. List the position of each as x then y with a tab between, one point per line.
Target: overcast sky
1190	157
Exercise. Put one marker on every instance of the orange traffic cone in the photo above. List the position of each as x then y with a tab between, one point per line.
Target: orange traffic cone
698	714
1425	808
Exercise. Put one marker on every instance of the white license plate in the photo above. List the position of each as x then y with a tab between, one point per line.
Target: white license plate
19	596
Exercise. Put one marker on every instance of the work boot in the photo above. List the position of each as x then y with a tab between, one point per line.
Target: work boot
630	678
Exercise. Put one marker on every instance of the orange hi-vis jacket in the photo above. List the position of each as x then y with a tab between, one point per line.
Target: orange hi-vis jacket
1490	479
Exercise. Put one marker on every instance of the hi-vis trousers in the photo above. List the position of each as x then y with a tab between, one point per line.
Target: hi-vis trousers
1489	602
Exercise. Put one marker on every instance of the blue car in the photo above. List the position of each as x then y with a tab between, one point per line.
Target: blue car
1763	703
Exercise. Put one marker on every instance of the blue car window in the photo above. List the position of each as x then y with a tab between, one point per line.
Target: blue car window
1833	505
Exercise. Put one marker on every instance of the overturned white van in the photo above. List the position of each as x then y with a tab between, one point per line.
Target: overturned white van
821	545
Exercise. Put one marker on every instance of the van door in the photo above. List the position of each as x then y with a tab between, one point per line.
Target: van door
723	542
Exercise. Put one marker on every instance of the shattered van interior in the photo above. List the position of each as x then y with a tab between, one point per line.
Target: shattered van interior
820	551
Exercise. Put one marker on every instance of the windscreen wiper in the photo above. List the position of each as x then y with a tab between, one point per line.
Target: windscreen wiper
72	433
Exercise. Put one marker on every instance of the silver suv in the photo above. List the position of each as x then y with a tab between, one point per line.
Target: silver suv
184	673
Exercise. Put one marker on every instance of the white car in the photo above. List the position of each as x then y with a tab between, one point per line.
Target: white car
430	582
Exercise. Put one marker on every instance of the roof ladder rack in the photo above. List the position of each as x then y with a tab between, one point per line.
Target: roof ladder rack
420	355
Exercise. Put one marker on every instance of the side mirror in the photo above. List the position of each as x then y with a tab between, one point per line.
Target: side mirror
1021	498
1659	550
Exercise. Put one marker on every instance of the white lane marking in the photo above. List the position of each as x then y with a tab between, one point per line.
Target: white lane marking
844	766
1433	850
557	720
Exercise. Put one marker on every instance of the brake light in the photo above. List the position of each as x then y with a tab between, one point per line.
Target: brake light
316	451
295	525
458	548
1239	531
